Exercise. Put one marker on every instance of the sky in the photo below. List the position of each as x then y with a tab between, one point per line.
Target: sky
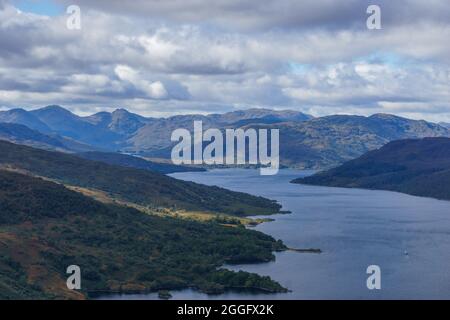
159	58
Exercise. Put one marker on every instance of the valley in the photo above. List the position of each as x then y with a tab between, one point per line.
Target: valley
128	223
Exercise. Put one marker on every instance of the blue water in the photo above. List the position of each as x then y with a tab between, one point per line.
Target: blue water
354	228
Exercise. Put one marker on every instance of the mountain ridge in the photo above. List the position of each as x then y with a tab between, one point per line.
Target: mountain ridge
305	141
21	134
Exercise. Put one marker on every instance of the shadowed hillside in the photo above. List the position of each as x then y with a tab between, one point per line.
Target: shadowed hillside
417	167
142	187
18	133
135	162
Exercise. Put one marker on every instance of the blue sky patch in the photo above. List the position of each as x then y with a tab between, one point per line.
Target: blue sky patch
40	7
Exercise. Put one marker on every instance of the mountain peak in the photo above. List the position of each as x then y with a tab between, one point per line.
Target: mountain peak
54	107
15	110
121	110
125	122
54	111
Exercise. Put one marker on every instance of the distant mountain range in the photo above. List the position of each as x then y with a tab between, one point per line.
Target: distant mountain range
22	134
329	141
124	130
418	166
305	142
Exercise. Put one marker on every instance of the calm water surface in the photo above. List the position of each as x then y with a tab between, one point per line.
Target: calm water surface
354	228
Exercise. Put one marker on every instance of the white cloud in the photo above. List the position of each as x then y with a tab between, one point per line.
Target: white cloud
154	90
229	53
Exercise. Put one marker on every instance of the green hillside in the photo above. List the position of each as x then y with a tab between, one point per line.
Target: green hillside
142	187
124	160
418	166
45	227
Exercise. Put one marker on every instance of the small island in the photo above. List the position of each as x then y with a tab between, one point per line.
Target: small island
309	250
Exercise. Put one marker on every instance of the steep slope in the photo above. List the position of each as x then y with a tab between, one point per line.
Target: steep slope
155	136
142	187
418	167
21	134
119	121
65	123
45	227
153	139
135	162
329	141
23	117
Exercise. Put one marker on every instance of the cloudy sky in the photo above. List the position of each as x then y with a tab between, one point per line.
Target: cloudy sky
167	57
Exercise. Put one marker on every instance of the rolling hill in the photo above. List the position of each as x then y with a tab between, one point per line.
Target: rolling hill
23	117
44	228
135	162
142	187
21	134
418	167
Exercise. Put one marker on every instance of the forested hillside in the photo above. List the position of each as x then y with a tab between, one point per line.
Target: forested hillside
45	227
142	187
418	166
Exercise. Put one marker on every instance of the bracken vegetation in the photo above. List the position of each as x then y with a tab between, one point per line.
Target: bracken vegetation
45	227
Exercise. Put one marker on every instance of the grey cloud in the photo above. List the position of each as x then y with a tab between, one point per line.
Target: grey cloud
248	15
395	89
190	57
